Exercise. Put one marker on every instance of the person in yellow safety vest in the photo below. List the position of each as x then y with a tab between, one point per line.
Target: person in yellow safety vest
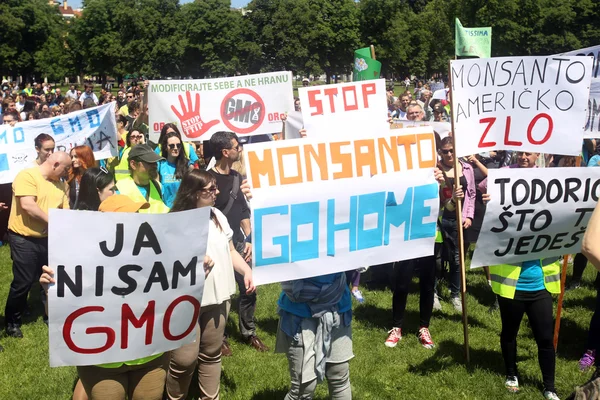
121	170
141	185
527	288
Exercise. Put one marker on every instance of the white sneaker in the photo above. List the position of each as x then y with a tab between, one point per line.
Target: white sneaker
436	303
512	384
456	303
548	395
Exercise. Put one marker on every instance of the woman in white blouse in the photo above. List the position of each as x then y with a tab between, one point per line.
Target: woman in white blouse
199	189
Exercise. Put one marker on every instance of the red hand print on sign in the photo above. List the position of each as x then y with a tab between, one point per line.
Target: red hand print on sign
190	119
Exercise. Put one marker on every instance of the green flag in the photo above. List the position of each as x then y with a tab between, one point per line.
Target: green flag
475	42
365	67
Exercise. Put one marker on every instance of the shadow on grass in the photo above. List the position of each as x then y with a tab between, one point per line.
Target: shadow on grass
382	318
194	390
568	347
270	394
588	302
482	292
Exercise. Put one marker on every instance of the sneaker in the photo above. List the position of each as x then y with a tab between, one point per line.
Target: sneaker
573	285
587	360
456	303
425	338
358	296
436	303
550	395
14	330
395	335
512	384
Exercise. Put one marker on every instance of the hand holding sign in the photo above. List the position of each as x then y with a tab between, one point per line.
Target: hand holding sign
190	119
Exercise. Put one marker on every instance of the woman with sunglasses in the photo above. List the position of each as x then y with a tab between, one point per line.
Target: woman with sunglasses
466	181
133	137
188	150
199	189
174	166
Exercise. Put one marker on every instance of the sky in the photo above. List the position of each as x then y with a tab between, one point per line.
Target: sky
234	3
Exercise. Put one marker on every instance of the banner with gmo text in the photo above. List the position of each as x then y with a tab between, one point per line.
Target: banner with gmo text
246	105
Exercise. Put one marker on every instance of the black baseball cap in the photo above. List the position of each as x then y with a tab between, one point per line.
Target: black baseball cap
143	152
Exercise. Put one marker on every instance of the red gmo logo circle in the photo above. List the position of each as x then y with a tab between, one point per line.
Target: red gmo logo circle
242	111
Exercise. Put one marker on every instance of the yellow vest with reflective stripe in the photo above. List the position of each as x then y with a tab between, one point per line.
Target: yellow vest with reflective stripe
504	277
128	187
122	169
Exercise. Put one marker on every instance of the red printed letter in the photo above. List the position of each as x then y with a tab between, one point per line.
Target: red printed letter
507	134
490	121
110	334
127	316
331	93
350	107
532	124
368	89
314	102
169	313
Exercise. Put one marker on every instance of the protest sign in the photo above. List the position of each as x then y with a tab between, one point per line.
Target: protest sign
435	86
246	105
592	124
342	108
534	104
293	124
474	42
95	127
535	213
129	288
441	94
327	205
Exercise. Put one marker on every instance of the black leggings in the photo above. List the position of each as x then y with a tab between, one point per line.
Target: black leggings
579	264
541	320
403	271
594	332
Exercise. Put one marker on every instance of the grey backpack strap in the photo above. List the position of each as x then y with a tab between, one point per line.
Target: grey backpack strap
233	194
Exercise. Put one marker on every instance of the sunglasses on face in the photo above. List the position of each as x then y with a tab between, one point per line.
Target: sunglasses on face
136	136
8	121
173	145
212	189
451	151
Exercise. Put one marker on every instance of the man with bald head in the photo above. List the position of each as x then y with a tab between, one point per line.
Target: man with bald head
35	191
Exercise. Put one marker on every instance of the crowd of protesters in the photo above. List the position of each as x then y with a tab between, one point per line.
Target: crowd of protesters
314	331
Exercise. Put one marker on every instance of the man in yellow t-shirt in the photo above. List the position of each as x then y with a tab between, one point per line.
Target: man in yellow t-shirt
35	191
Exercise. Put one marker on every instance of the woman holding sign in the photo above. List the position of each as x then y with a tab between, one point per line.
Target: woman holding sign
199	189
449	228
527	288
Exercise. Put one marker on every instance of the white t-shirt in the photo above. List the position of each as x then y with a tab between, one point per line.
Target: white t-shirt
220	283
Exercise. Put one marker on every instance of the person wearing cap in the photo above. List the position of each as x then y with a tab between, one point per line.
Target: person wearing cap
35	190
141	185
305	82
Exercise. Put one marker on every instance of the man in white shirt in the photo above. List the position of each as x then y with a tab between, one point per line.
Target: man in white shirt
88	94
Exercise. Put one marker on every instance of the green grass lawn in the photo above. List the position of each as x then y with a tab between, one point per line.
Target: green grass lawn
377	372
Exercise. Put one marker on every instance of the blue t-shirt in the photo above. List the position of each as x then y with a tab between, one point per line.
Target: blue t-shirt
594	161
531	278
169	183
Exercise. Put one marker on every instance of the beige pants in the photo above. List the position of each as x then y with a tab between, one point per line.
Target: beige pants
135	382
206	351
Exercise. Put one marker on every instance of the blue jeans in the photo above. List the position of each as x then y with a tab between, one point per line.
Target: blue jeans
450	232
